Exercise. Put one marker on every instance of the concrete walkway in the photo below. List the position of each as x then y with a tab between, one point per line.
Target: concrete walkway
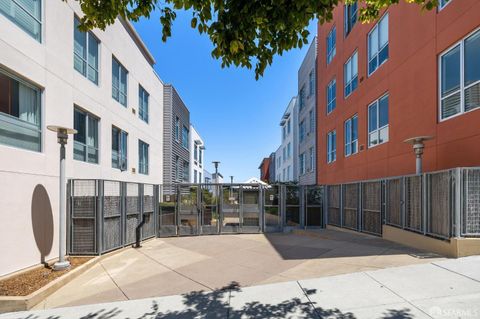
442	289
172	266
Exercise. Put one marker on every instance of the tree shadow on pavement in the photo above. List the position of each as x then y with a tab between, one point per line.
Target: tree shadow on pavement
216	305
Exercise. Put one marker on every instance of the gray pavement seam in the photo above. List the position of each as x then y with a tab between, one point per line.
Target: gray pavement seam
455	272
175	271
309	300
113	280
407	301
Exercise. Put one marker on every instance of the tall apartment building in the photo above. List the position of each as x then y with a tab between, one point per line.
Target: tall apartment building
176	140
197	156
101	83
307	102
408	74
285	155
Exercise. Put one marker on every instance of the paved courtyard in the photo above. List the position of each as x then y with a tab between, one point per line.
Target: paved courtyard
172	266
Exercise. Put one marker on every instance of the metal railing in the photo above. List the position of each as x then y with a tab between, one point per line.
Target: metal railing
104	215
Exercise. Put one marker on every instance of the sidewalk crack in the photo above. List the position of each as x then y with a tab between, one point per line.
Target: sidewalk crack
113	280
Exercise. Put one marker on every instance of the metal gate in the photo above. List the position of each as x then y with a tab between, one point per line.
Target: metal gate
167	221
271	201
210	218
314	206
250	220
292	206
372	203
189	210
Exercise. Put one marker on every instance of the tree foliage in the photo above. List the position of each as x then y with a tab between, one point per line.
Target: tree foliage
243	32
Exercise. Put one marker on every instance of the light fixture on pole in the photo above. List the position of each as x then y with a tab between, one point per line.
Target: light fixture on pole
216	163
418	147
62	138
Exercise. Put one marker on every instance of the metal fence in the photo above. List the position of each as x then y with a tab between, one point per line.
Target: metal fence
440	204
104	215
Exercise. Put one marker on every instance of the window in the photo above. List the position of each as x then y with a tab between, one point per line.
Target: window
185	171
312	121
185	137
312	159
301	160
119	82
331	45
195	152
143	97
350	12
311	81
200	153
177	168
176	129
284	154
331	146
289	168
279	161
302	98
27	14
460	78
442	4
85	53
284	132
200	177
195	176
85	142
284	175
378	45
119	148
143	157
350	73
378	122
351	136
20	112
301	131
289	127
289	150
331	96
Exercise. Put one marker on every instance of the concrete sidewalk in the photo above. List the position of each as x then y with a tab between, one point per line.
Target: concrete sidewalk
180	265
441	289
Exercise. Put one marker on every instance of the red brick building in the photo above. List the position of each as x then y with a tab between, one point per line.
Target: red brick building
265	170
410	73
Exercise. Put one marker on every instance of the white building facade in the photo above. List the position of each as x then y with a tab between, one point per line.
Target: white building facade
197	153
285	166
101	83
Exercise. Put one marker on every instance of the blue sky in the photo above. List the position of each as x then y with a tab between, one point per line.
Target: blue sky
237	116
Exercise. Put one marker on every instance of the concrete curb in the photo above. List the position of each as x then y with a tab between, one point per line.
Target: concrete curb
23	303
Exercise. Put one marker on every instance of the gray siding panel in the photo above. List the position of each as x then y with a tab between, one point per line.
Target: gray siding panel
174	107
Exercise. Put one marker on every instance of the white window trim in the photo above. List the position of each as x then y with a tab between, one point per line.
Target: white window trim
87	116
333	81
141	88
334	132
375	27
462	82
353	77
40	22
126	83
333	51
378	120
440	7
351	142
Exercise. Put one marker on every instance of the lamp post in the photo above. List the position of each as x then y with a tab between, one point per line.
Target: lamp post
418	147
231	179
216	163
62	137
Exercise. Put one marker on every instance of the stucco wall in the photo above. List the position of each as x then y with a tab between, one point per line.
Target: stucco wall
49	65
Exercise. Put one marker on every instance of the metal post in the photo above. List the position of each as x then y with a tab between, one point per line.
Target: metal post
418	164
62	263
424	204
325	206
99	215
458	202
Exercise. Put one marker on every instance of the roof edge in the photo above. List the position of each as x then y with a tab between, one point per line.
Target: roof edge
138	40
